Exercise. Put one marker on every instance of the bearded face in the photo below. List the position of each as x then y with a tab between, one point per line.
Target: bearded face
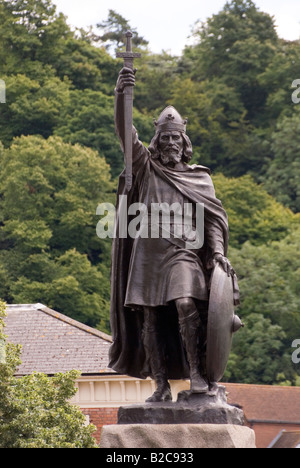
171	147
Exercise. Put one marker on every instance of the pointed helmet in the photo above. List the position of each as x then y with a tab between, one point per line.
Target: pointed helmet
170	120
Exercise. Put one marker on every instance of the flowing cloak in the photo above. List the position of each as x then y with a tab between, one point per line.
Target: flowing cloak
127	354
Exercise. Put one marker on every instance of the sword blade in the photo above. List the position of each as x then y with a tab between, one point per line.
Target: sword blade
128	119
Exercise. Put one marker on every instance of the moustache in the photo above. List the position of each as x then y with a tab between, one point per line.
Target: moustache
171	149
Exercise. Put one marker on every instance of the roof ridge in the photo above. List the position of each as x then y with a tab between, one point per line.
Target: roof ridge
260	385
64	318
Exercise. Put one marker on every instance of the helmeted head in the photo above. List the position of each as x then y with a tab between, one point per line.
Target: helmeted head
170	143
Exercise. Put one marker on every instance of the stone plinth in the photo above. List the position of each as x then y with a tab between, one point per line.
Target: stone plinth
177	436
194	421
208	408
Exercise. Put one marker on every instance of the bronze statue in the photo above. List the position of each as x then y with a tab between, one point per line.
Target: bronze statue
160	284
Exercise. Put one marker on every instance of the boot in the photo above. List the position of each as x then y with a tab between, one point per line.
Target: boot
163	391
156	359
190	330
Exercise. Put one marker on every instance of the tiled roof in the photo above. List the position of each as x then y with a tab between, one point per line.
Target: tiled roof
286	439
266	403
52	342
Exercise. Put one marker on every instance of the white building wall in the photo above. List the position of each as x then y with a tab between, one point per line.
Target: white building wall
115	390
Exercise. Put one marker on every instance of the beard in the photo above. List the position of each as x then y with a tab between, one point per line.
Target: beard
170	156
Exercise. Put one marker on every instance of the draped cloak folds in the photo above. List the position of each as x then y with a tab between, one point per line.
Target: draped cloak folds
127	354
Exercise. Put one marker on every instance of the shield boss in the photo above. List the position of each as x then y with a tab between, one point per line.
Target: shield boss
222	322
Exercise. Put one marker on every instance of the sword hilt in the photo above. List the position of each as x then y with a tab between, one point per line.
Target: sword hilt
128	56
128	36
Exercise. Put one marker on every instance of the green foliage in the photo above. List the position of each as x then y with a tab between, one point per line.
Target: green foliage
277	79
31	30
43	181
68	283
260	354
35	411
49	248
114	30
254	216
39	415
270	302
43	60
240	40
283	173
269	280
222	138
33	107
155	84
58	152
88	119
35	35
238	51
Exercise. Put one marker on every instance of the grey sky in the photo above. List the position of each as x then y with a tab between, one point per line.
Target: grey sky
166	24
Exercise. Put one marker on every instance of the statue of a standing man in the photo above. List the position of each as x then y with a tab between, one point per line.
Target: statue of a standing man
160	286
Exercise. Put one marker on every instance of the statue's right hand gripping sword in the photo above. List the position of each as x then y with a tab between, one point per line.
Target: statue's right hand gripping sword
128	57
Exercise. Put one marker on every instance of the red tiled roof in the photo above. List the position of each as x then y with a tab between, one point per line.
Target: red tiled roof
286	439
266	403
52	342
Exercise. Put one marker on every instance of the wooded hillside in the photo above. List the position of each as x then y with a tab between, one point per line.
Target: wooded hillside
60	158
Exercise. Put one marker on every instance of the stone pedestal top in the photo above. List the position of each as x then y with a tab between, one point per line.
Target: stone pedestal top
190	408
177	436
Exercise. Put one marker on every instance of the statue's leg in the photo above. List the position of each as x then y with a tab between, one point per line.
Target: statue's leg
155	356
190	324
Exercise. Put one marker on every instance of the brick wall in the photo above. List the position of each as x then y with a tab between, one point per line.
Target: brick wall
264	433
100	417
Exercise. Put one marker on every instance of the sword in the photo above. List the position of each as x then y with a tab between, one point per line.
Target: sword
128	57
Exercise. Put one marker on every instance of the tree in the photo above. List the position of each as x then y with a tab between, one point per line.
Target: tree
156	81
269	281
38	43
236	45
283	173
32	106
35	411
88	119
220	134
259	354
254	215
30	29
269	285
67	283
86	66
277	79
114	30
50	191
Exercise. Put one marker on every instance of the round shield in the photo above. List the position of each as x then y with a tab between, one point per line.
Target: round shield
222	322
